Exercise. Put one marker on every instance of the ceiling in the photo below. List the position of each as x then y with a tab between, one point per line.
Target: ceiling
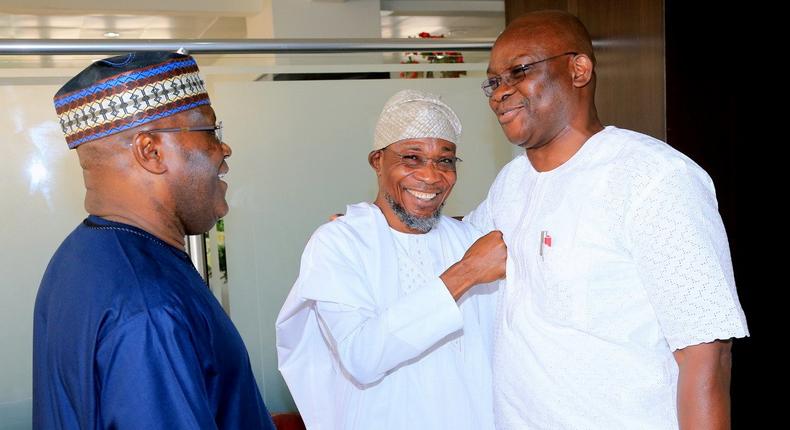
35	19
125	26
175	19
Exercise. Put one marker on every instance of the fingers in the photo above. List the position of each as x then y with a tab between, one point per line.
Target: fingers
488	255
483	262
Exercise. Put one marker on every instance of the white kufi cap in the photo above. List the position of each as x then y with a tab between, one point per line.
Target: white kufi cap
414	114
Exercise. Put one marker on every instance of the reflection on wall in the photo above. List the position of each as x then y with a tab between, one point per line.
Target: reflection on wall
42	202
216	264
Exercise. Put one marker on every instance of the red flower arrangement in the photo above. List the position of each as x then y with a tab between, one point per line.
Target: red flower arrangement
433	57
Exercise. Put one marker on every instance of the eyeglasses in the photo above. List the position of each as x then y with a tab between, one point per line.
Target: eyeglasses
217	129
515	75
416	161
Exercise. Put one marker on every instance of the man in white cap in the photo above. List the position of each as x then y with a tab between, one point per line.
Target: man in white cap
382	329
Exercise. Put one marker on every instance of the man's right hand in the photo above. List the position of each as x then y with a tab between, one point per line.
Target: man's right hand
483	262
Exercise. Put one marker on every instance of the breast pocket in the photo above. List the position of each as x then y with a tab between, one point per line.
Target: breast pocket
561	292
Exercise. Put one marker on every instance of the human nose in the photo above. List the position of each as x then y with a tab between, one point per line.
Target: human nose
226	151
428	172
502	91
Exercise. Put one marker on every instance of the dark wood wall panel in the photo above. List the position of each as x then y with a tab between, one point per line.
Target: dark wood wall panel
514	8
629	44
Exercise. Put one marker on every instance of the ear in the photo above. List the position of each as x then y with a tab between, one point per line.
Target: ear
148	151
374	159
582	68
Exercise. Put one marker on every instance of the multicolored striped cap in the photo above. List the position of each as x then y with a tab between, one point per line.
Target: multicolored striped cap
123	92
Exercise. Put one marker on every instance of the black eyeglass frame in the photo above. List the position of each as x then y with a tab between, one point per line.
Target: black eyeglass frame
216	128
491	84
421	161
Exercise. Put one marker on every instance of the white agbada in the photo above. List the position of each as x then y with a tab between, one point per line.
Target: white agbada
370	337
619	257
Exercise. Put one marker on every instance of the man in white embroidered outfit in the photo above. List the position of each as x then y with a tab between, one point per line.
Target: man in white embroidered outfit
620	301
379	331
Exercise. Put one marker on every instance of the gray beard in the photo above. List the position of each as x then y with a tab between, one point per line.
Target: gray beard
421	224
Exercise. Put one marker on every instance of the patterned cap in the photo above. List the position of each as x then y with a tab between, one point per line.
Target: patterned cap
414	114
126	91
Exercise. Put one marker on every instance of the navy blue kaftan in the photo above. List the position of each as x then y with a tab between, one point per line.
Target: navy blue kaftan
127	335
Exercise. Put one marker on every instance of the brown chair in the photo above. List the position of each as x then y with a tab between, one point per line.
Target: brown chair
288	421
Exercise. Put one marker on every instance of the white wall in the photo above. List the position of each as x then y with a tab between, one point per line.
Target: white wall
42	198
325	19
311	19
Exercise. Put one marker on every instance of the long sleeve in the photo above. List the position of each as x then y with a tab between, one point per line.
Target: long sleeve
368	321
481	218
370	340
150	376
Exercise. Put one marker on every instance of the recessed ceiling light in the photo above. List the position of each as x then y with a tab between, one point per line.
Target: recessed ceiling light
112	34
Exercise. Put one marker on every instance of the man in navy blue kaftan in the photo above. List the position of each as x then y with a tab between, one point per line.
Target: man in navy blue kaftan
126	333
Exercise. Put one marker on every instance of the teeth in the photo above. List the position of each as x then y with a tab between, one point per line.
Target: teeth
422	196
222	175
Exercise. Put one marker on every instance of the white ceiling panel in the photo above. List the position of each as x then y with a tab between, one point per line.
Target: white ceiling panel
191	19
23	21
205	19
98	33
184	7
117	22
226	28
457	27
46	32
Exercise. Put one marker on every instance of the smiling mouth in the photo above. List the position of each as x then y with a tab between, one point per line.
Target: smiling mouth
421	195
221	174
505	115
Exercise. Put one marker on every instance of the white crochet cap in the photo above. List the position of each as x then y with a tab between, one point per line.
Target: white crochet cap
414	114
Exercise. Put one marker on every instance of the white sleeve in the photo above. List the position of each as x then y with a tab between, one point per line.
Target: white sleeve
369	341
487	298
481	217
680	247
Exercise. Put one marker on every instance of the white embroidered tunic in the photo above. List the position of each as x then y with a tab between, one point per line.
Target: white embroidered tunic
617	258
370	337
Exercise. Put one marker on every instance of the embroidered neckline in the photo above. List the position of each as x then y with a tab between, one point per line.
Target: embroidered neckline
92	223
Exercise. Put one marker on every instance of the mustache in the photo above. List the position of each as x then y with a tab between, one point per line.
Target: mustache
421	224
510	106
